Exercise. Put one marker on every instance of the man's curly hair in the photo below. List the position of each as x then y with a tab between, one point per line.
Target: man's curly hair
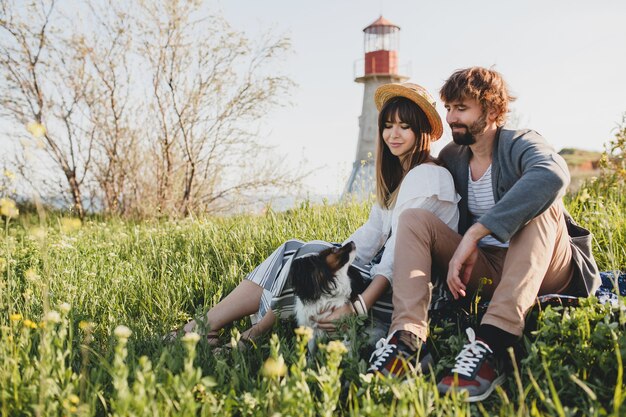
481	84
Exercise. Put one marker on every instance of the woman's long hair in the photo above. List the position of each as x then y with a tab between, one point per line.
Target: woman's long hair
389	171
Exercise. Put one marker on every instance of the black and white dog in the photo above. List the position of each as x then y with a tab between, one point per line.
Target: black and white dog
323	282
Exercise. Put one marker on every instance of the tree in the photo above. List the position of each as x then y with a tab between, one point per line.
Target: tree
160	102
45	81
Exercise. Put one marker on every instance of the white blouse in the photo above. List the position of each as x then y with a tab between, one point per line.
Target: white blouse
426	186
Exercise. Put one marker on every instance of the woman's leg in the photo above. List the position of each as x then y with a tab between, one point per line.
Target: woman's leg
242	301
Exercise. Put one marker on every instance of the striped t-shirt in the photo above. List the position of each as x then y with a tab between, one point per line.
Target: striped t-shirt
479	201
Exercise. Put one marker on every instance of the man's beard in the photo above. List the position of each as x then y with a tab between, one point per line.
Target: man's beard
469	136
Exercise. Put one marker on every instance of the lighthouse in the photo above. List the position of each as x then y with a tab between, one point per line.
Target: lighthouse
381	40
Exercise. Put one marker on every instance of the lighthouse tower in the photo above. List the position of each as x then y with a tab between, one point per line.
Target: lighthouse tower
381	67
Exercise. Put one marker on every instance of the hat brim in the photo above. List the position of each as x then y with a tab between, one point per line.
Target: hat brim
387	91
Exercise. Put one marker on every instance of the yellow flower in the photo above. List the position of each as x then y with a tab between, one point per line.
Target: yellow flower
15	317
30	324
36	129
366	378
74	399
8	208
37	233
304	331
86	326
9	174
274	368
191	338
31	275
70	225
486	281
584	195
336	346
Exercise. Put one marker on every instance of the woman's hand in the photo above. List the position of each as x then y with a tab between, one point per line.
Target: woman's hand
328	323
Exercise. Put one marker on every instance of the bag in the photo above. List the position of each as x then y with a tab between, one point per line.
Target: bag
586	279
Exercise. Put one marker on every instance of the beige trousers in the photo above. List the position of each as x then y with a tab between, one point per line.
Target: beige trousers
538	261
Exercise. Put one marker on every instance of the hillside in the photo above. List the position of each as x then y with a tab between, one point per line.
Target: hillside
582	165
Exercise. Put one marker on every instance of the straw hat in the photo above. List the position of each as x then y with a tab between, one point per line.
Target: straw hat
416	94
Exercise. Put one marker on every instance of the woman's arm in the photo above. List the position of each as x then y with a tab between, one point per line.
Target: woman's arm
377	287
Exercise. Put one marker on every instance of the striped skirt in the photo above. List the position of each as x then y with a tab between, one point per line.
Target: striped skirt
278	294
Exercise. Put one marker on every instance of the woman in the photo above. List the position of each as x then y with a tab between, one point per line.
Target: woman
407	176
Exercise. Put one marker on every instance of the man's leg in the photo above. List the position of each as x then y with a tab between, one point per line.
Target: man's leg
421	239
538	261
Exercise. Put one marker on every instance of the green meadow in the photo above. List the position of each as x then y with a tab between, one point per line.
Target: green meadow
85	307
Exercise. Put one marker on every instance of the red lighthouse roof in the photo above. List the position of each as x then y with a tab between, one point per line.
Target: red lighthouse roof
381	21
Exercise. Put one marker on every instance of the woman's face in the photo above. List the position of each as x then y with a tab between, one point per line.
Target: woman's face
399	137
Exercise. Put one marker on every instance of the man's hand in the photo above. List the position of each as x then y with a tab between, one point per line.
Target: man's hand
463	261
328	323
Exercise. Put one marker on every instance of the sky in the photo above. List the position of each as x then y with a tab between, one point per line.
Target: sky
565	61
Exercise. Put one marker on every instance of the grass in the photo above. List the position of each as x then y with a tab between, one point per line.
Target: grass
85	307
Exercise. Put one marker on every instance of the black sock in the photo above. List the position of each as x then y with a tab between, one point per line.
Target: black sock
497	339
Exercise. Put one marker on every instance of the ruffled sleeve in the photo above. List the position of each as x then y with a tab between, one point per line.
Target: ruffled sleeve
370	237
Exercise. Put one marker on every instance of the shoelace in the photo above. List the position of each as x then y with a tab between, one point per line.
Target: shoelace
471	355
383	349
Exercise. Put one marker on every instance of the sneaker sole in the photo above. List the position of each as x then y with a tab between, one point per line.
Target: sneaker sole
496	382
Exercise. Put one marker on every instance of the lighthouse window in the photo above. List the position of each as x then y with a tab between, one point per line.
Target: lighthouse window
381	38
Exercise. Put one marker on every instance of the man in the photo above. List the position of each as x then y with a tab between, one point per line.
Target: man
513	230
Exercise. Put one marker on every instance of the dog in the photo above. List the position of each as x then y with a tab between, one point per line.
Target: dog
322	282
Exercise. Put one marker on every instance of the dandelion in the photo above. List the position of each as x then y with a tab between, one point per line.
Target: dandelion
274	368
74	399
122	332
8	208
336	346
15	317
86	326
9	174
65	308
36	129
29	324
52	316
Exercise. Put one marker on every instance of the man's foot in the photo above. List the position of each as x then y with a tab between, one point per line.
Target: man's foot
475	371
394	357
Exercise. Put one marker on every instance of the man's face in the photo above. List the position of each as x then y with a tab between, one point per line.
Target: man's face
466	119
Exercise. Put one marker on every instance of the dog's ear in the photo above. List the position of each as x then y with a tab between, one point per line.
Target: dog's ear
307	277
336	258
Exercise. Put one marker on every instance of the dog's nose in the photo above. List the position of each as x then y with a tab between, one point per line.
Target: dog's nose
352	245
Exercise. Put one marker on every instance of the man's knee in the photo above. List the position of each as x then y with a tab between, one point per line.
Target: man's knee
416	219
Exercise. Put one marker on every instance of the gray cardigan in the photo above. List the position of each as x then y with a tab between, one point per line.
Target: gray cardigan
528	176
